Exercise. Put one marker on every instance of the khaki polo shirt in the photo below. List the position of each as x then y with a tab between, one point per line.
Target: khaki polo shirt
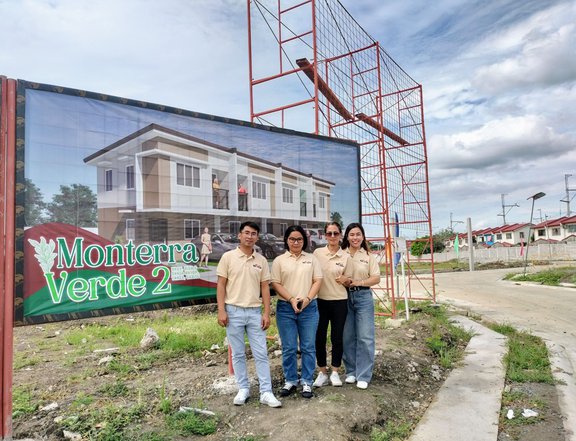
364	265
296	274
244	274
333	266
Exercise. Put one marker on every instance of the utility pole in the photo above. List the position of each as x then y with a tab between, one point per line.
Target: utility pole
568	190
504	206
452	223
542	218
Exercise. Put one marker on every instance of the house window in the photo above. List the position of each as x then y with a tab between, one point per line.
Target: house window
521	234
191	228
130	229
187	175
259	190
555	231
283	228
571	228
158	230
322	201
541	232
108	180
499	236
129	176
234	227
508	236
287	195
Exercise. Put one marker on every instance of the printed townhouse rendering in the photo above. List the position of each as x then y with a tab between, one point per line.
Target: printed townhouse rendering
161	185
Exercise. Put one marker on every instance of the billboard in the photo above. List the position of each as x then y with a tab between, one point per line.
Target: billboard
125	205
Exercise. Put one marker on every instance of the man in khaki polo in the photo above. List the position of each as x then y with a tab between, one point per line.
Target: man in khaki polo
243	275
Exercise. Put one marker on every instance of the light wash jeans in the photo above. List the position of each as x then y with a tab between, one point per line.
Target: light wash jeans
249	321
359	340
292	326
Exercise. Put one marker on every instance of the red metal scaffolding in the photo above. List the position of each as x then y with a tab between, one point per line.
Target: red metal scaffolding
7	237
313	68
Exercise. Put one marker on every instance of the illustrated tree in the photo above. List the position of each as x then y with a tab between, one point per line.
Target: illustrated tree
336	217
34	204
74	205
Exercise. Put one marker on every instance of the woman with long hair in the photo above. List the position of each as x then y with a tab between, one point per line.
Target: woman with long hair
332	303
359	330
296	277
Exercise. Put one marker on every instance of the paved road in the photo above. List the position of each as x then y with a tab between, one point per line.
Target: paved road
548	312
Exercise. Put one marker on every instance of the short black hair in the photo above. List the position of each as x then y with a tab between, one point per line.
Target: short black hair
250	224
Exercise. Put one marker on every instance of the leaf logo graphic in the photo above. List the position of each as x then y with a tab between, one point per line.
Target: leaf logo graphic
44	253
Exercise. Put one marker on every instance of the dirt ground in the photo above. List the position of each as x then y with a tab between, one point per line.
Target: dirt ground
407	376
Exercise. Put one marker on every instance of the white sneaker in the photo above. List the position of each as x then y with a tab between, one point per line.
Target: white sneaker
269	399
306	391
241	397
321	380
335	379
350	379
362	385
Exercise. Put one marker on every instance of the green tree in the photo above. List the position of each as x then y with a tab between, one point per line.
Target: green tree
74	205
422	245
336	217
34	204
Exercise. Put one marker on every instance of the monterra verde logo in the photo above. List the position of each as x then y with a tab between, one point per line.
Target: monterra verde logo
57	259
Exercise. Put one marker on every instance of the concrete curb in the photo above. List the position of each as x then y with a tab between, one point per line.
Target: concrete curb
467	407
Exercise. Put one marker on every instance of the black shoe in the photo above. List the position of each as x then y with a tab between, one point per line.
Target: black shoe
307	391
287	389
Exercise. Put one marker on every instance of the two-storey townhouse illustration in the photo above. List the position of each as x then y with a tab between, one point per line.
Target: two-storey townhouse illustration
161	185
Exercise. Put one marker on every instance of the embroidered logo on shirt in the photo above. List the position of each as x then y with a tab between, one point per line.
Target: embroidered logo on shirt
257	266
340	264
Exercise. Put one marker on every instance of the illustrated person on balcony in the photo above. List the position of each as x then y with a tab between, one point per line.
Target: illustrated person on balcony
242	198
243	296
296	277
216	193
206	248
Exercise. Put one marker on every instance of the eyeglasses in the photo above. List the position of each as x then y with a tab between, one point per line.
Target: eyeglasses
333	233
296	239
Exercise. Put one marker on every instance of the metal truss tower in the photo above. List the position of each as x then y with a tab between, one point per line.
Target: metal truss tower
314	68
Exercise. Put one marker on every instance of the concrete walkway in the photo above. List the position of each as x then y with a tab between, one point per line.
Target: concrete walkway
467	407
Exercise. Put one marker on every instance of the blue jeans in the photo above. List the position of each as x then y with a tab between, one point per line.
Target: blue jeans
359	340
249	321
292	327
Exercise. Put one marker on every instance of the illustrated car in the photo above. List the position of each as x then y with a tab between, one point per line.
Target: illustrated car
270	245
316	239
221	242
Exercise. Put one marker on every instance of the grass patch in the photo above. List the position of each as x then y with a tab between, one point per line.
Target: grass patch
446	341
550	277
22	402
177	334
104	423
527	359
188	423
21	361
393	431
118	389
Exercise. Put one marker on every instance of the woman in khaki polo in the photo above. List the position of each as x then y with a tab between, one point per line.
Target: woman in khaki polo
296	276
359	330
332	303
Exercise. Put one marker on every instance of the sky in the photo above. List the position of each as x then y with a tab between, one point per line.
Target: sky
499	81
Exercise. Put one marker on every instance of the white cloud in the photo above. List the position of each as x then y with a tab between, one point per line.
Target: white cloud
543	59
498	142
